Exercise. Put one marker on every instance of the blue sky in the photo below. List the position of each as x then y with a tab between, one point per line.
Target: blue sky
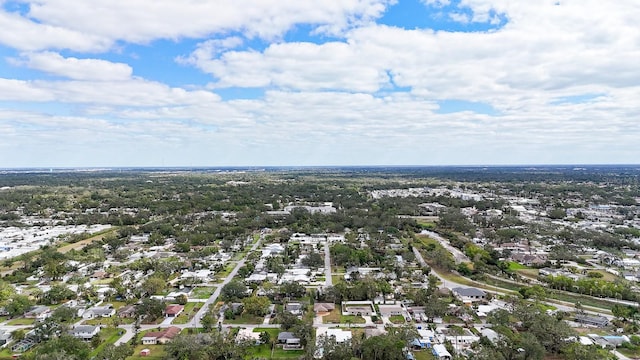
304	82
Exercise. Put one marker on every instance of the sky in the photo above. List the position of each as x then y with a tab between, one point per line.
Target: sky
110	83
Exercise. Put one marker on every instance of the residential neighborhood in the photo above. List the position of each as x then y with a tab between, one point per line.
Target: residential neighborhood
449	269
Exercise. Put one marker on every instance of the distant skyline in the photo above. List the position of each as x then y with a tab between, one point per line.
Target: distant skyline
159	83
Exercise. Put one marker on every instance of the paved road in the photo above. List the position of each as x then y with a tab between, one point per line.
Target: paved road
327	265
196	318
560	305
212	299
458	255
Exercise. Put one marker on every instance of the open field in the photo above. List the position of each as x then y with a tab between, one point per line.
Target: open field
82	243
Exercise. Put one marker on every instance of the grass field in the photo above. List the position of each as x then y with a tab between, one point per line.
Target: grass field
397	319
336	317
273	332
82	243
245	319
157	352
203	292
513	266
189	311
21	321
108	336
264	352
423	355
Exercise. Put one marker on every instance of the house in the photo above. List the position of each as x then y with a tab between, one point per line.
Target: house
441	353
127	311
248	335
84	332
529	259
339	335
173	310
99	275
358	308
323	308
359	272
465	339
490	334
172	296
99	311
469	295
391	310
599	321
161	337
289	341
295	275
374	332
294	308
5	338
38	312
426	337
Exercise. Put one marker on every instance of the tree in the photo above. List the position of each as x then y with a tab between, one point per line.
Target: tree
557	213
18	334
153	285
208	321
292	289
499	317
577	351
64	347
150	309
531	347
313	260
256	305
265	337
63	314
205	347
7	291
330	349
58	293
113	352
182	299
234	290
287	320
18	305
304	332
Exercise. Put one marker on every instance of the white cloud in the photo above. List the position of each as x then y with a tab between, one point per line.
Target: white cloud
20	90
24	34
133	92
437	3
302	66
96	25
74	68
333	102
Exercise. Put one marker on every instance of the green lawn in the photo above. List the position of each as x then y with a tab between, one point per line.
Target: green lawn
21	321
337	278
423	355
397	319
98	321
108	336
273	332
633	354
5	354
189	311
157	352
203	292
224	273
264	352
516	266
343	319
245	319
